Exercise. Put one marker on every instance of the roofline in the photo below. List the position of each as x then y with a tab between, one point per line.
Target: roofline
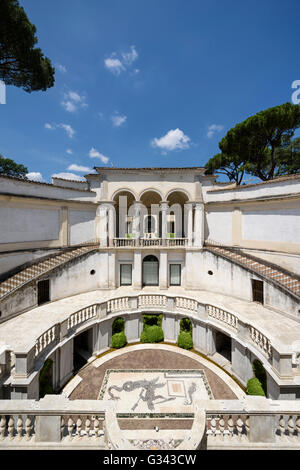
112	169
26	180
245	186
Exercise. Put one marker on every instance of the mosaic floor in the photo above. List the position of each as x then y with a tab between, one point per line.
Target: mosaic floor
155	391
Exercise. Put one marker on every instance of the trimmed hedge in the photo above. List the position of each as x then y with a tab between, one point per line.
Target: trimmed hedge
260	374
45	379
185	340
254	387
118	325
118	340
152	334
150	320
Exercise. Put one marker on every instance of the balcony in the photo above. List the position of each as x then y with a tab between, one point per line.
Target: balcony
149	242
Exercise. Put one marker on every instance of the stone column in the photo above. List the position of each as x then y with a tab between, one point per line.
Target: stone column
112	270
137	221
164	205
66	362
137	270
241	361
163	270
102	224
189	214
111	223
199	225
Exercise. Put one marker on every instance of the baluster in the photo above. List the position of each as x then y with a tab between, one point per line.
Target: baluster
297	423
230	426
79	426
291	426
239	426
62	426
20	427
87	427
222	427
281	426
96	426
28	427
247	425
11	427
2	427
213	427
70	427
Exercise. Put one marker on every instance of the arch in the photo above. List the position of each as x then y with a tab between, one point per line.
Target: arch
150	271
181	192
150	190
124	190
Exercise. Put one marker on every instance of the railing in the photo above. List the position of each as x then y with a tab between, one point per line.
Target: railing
223	316
121	242
186	303
261	341
116	305
253	423
177	241
81	316
152	300
50	336
151	241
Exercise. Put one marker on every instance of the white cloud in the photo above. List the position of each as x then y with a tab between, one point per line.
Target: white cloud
130	57
83	169
114	65
213	129
69	151
69	129
117	65
118	120
175	139
61	68
93	153
35	176
68	176
72	101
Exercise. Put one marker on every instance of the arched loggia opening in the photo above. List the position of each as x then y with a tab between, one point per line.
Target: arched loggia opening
83	348
223	345
150	271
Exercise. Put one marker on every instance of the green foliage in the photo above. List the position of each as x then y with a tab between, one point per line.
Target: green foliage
186	325
118	340
254	387
185	340
118	325
149	320
185	337
260	374
260	146
152	334
21	63
45	379
11	168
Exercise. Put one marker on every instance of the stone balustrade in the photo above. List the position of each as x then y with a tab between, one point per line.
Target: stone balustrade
221	315
186	304
261	341
81	316
49	337
57	422
177	241
144	242
152	301
123	242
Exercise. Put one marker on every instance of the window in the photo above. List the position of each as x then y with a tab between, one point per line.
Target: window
125	274
175	274
258	291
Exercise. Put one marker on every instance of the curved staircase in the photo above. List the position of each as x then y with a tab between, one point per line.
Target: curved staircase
41	267
271	272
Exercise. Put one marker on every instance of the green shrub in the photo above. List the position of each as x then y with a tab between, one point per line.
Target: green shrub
150	320
260	374
186	325
185	340
152	334
118	325
254	387
45	379
118	340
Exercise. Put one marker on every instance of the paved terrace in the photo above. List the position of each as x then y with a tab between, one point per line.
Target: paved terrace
21	332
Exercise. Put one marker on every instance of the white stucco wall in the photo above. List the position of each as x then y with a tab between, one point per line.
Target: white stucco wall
24	224
281	225
218	226
81	226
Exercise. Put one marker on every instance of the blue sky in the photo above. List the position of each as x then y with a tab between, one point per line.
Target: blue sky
148	83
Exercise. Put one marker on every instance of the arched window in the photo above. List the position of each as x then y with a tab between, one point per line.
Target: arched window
150	271
150	224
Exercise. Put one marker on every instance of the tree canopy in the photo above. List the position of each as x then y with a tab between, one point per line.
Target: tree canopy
11	168
21	63
261	146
